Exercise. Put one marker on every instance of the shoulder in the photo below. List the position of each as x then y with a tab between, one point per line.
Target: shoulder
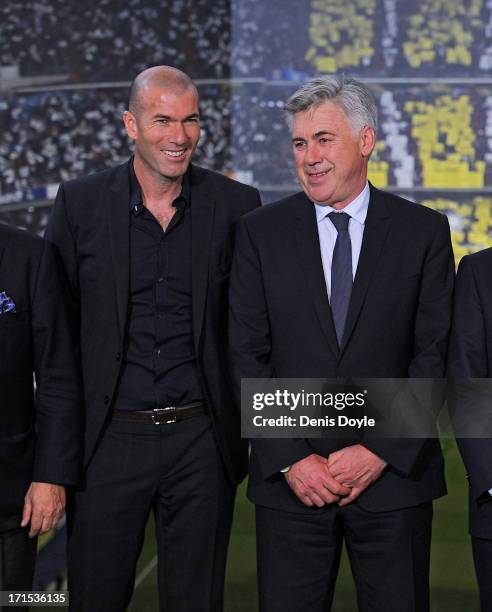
406	210
232	199
219	182
97	181
277	212
24	253
480	263
20	239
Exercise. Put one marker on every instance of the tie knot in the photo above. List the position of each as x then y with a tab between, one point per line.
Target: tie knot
340	220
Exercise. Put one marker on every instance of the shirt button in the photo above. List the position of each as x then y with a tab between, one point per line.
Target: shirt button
160	279
118	356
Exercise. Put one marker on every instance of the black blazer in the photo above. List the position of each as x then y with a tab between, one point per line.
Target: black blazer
39	438
397	326
90	226
470	355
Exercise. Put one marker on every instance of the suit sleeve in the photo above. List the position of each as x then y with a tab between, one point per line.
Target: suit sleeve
432	326
250	345
470	400
467	347
60	232
58	389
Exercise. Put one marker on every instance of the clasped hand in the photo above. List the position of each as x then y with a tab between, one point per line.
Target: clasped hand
340	478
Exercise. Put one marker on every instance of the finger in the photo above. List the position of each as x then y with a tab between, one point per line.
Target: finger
347	481
333	458
309	496
352	497
46	525
337	488
325	495
316	499
350	485
302	495
36	522
336	470
339	472
321	488
26	513
342	476
56	520
331	493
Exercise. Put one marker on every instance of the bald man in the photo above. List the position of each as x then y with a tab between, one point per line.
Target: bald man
147	249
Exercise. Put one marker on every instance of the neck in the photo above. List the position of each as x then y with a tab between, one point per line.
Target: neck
156	188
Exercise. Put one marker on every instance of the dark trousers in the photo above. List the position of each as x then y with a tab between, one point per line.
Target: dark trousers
174	470
17	560
299	556
482	556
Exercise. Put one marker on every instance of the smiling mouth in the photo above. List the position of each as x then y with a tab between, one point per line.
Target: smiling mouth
174	154
317	174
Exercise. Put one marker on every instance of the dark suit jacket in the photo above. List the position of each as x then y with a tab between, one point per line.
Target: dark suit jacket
470	355
39	439
90	226
397	326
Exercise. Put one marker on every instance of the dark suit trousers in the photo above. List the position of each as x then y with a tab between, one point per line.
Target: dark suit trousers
174	470
299	556
17	560
482	556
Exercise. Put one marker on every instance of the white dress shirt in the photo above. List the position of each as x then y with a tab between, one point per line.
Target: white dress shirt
357	209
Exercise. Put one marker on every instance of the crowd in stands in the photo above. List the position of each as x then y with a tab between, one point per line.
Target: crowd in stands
101	40
112	40
369	37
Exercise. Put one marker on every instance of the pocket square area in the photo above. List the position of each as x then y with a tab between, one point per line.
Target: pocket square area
7	304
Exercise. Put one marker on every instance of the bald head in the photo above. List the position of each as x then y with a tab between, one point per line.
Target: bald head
162	77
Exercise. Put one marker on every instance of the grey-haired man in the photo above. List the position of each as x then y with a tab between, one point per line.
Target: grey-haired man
341	280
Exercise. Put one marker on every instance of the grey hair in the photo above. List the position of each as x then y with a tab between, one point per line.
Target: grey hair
350	95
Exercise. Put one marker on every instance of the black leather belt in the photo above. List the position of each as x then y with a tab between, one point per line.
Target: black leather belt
161	416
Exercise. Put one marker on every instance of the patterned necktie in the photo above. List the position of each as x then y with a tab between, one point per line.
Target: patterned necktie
341	273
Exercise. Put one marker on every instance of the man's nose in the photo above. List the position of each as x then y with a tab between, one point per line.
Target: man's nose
312	156
178	133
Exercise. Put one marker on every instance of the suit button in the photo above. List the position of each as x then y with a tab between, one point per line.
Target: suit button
118	356
106	399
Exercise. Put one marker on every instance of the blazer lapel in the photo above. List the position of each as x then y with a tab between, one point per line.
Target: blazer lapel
375	233
118	220
202	221
309	251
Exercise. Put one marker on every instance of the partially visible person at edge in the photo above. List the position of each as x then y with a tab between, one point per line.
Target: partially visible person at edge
40	430
470	358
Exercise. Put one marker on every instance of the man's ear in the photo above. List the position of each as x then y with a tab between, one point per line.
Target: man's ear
367	140
130	124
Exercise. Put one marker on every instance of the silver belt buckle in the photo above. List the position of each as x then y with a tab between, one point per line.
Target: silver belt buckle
167	414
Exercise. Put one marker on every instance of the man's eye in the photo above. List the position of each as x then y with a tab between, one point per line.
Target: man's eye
193	120
299	145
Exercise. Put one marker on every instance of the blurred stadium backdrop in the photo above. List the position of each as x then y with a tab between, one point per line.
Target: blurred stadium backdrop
65	68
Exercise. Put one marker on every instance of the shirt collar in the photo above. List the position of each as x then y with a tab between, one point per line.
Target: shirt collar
136	199
357	209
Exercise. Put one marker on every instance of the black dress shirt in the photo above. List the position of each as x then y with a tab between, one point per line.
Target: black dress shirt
159	363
